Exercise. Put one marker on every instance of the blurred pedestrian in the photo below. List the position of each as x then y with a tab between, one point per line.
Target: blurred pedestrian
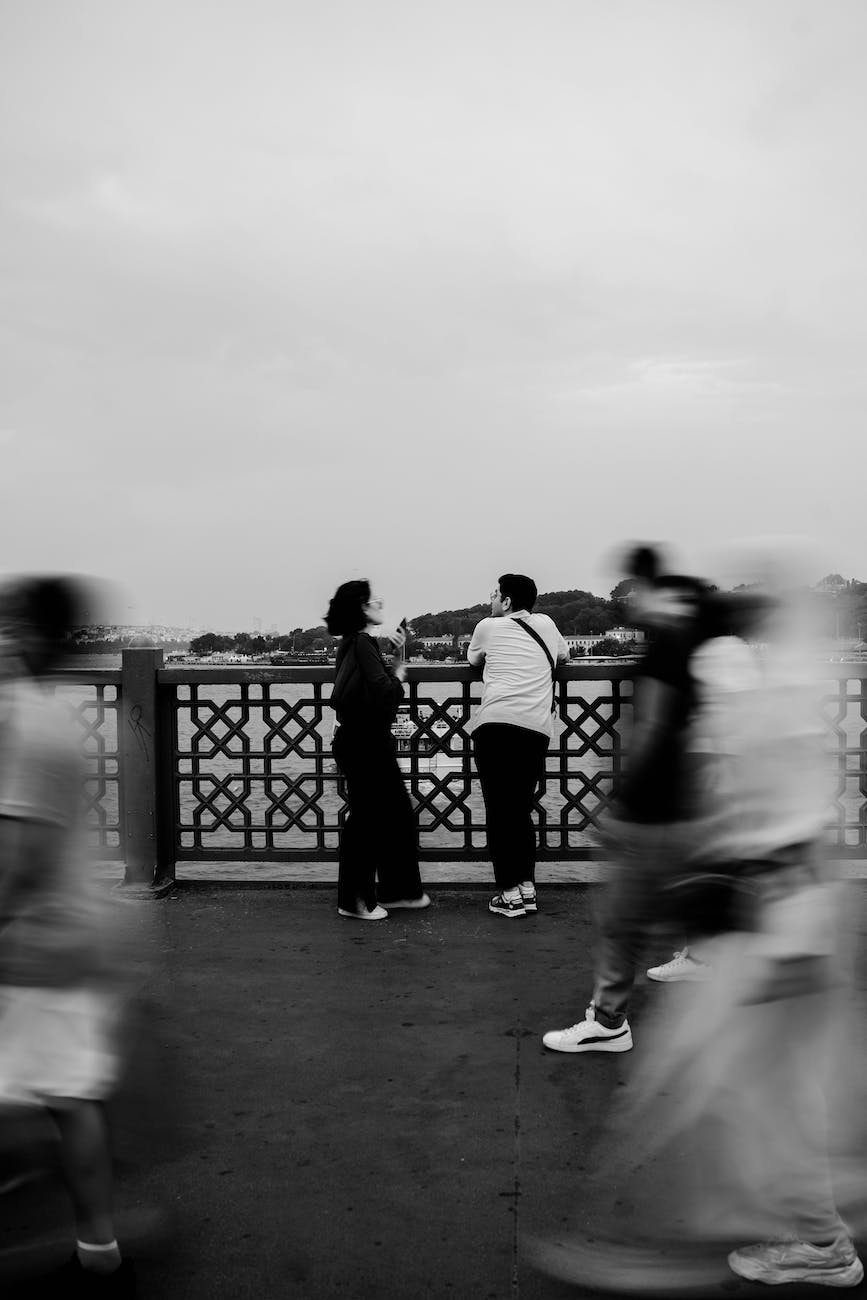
745	1121
650	823
518	652
379	837
61	1014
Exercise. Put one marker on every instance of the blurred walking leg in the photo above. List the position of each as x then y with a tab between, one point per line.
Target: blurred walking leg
625	911
85	1160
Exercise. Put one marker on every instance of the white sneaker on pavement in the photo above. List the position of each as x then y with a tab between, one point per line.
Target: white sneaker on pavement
683	966
365	914
774	1262
589	1036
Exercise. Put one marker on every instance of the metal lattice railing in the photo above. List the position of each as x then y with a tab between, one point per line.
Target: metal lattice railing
844	712
254	776
255	779
247	772
96	704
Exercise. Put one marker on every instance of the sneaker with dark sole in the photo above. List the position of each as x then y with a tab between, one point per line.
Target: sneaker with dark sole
506	907
589	1036
775	1262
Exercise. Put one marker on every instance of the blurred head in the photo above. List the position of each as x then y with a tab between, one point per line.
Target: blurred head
643	563
513	591
39	613
352	608
637	566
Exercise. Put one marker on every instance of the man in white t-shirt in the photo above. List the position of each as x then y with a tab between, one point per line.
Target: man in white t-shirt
518	651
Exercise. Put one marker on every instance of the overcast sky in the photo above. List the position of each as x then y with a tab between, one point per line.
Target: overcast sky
295	292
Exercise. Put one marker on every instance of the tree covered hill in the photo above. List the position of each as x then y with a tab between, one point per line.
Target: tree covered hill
842	606
576	613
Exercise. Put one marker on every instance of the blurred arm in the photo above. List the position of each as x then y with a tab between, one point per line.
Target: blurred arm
656	705
26	849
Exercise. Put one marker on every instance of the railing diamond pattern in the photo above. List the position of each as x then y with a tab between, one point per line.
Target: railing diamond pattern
253	778
96	706
843	710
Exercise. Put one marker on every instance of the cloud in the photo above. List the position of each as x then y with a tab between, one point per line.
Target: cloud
112	202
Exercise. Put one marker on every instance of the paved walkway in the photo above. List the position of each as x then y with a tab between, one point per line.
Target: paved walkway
333	1109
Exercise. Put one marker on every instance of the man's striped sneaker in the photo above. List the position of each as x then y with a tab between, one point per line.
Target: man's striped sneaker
506	906
589	1036
528	898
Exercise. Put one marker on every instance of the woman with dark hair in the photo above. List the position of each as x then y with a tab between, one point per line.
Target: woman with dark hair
379	835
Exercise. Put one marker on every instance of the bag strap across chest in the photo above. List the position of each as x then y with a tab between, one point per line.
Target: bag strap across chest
535	635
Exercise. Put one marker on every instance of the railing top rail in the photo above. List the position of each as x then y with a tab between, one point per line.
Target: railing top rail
232	674
90	676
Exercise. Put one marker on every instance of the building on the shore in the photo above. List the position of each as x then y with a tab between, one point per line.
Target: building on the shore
225	657
586	642
624	635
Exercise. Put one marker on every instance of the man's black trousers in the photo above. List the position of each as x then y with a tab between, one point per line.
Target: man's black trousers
510	762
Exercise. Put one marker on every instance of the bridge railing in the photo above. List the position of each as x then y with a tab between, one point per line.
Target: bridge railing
234	764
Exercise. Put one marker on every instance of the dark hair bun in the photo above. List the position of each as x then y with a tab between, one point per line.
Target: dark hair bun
346	609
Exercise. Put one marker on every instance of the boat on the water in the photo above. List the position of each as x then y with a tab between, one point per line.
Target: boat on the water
423	750
434	750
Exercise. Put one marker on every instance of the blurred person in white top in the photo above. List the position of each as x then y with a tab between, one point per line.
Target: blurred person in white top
745	1123
517	651
59	950
762	1070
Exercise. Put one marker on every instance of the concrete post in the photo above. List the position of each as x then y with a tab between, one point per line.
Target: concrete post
149	871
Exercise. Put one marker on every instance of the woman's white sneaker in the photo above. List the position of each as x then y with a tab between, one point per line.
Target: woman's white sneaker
365	913
589	1036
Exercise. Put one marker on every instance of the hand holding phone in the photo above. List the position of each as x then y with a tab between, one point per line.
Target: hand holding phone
398	637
